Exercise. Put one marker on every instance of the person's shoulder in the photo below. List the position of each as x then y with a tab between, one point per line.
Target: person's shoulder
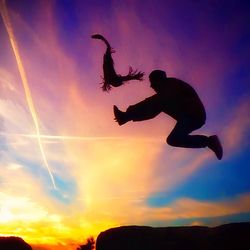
178	81
173	79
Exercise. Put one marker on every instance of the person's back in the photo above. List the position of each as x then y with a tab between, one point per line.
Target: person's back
180	99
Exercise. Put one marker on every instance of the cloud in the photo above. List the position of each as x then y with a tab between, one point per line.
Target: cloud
236	132
6	82
16	208
193	209
186	208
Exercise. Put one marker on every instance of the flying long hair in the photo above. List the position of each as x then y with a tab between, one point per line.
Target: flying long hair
110	77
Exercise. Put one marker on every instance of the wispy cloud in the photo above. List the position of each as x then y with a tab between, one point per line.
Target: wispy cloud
189	208
236	132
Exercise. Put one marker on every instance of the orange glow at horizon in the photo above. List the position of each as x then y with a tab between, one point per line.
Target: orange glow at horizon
7	23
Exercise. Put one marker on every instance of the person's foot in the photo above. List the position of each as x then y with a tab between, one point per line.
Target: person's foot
215	145
120	116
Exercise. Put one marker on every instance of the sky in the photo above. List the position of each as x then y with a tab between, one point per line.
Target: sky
67	170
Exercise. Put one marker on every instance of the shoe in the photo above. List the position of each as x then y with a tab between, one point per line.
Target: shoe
120	116
215	145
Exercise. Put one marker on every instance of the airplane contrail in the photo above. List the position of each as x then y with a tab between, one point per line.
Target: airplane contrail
8	26
66	137
86	138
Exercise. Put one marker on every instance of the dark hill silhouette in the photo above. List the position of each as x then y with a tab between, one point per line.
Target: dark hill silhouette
13	243
230	236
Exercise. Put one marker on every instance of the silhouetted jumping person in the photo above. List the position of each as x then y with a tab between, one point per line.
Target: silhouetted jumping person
111	78
179	100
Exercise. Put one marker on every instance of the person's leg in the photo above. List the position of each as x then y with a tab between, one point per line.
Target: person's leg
179	136
144	110
215	145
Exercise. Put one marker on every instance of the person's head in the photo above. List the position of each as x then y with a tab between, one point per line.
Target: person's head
157	79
